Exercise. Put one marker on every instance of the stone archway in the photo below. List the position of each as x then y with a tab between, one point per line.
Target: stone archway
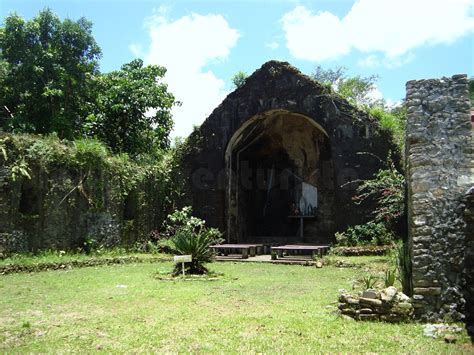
277	161
251	112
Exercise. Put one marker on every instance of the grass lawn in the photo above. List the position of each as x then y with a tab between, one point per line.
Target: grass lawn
57	257
251	308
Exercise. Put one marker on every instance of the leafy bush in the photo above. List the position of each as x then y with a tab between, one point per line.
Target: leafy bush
388	190
371	233
392	121
188	235
90	152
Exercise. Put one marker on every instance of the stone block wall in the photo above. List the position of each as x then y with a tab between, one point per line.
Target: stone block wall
439	172
469	262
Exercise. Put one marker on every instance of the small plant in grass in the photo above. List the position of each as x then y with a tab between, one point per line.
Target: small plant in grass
90	245
188	235
389	279
369	281
404	267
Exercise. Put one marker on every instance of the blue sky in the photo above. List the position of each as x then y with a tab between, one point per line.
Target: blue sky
203	43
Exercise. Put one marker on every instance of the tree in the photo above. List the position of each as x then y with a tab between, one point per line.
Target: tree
47	65
329	76
357	90
239	79
133	109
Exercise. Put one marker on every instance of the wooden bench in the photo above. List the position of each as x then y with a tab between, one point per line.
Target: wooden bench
244	249
315	249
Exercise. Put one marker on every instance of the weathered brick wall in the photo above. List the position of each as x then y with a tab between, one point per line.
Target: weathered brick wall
439	155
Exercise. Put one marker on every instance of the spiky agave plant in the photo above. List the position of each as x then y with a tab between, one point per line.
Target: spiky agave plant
190	236
195	243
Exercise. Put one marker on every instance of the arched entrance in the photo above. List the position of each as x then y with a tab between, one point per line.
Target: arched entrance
278	162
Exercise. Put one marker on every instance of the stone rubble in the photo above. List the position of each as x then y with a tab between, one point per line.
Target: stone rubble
438	330
388	305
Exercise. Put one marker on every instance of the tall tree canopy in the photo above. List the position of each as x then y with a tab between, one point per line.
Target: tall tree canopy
50	83
46	65
355	89
133	110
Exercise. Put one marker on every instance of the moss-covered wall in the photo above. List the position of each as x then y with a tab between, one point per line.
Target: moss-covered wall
68	195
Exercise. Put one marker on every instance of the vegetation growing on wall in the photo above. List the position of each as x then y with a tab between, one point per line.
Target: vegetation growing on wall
358	91
393	121
67	172
387	189
239	79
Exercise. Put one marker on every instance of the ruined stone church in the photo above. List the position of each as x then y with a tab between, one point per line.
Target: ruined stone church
280	158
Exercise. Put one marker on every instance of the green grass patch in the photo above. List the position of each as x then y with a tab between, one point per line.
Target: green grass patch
251	307
56	260
53	256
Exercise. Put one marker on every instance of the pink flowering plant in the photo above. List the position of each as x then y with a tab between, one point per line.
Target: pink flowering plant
387	188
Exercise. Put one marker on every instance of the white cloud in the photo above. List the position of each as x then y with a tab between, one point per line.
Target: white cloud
272	45
392	27
185	46
375	61
375	94
314	37
136	49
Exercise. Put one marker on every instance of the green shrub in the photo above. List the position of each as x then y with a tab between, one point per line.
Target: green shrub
371	233
392	121
387	188
187	235
90	152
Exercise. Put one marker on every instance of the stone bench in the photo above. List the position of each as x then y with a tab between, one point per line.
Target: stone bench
245	250
314	249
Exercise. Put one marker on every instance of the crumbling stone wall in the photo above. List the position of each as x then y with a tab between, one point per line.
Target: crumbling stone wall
469	262
62	205
439	158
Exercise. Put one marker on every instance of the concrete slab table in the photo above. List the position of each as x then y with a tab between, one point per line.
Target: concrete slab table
315	249
244	249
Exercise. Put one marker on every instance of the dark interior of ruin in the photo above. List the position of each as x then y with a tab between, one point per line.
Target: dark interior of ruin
273	157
